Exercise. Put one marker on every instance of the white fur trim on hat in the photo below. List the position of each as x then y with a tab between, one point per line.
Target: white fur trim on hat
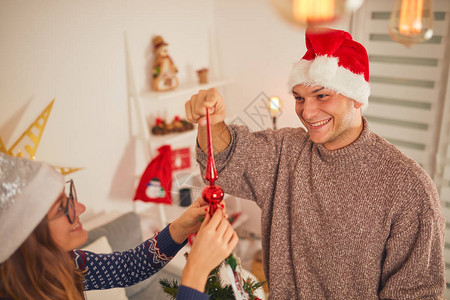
325	71
32	188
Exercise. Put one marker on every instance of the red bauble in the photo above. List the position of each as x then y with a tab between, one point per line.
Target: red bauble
212	194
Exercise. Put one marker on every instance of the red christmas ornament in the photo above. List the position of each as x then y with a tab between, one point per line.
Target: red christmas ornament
212	193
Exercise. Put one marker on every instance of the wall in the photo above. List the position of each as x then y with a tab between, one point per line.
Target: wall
74	51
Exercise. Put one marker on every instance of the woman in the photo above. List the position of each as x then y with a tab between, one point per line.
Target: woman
40	227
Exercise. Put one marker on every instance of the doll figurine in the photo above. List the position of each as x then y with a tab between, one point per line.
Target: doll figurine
164	71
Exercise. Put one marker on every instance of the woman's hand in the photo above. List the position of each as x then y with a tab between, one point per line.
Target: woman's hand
189	222
215	241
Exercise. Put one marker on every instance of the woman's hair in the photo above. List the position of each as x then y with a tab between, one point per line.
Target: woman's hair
39	269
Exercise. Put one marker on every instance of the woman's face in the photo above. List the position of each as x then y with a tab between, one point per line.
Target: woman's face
67	236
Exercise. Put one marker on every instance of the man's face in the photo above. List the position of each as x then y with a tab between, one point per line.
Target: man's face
330	118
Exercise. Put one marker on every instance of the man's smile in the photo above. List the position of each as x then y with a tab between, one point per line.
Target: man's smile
319	123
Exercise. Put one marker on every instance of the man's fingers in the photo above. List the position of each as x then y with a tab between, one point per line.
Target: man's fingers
188	109
193	108
202	121
195	114
191	112
196	107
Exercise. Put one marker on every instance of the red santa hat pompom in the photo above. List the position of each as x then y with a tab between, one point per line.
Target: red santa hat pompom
335	61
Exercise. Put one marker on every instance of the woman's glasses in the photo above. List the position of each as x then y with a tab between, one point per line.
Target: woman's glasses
67	207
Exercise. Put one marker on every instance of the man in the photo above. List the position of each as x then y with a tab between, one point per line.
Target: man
345	215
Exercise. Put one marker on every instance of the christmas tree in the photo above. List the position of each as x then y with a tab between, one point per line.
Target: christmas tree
215	287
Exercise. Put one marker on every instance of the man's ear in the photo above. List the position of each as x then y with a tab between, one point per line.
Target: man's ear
357	104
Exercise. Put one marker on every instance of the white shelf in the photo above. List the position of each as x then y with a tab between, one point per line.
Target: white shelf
184	89
147	143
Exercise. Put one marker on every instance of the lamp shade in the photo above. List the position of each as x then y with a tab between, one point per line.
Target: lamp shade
411	21
314	12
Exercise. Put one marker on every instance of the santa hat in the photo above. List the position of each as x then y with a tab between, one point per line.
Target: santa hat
27	191
335	61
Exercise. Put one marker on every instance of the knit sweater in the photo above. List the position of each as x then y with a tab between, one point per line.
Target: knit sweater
360	222
123	269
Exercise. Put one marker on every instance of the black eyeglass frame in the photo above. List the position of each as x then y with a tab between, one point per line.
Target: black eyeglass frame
71	201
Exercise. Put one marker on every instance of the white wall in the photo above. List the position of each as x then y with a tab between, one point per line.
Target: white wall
74	51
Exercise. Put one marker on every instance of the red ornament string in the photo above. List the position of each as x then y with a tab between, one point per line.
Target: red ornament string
212	193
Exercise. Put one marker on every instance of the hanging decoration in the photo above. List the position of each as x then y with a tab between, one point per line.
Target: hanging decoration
412	21
156	181
315	12
26	145
212	193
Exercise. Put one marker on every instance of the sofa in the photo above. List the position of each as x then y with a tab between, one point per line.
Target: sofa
123	233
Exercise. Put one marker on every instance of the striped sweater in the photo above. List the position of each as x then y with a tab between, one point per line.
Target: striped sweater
123	269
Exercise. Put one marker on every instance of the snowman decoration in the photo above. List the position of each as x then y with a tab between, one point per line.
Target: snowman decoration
164	72
154	189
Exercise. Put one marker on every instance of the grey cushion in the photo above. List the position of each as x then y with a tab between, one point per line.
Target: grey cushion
123	233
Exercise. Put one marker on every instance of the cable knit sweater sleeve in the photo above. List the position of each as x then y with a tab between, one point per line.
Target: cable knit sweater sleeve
251	174
413	266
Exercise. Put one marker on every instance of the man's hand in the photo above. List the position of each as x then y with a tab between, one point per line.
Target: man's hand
196	107
196	113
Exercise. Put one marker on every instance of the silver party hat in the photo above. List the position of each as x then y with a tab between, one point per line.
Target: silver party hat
27	191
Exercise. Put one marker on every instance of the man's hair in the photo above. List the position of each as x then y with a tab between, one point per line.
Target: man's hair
40	269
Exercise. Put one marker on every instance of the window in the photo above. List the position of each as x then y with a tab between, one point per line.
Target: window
410	94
